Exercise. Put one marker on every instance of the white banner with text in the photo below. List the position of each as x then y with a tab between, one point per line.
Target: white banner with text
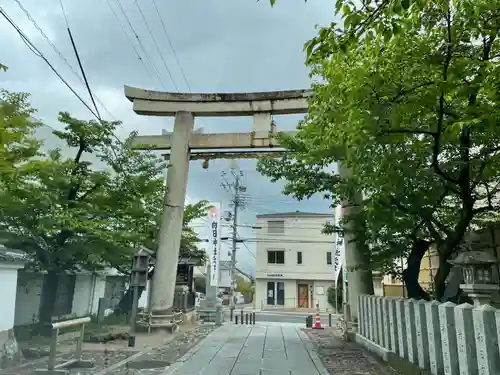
214	213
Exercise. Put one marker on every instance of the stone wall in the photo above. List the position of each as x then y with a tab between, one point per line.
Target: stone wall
439	338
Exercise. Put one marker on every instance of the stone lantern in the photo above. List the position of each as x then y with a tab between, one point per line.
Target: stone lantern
477	271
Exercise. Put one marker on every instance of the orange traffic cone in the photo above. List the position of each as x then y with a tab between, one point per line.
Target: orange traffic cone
317	323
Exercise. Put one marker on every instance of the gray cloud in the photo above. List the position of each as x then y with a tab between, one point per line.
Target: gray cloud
222	46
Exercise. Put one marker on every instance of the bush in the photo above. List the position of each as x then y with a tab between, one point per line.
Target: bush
331	297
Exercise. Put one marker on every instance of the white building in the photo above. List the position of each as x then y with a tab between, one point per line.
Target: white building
294	261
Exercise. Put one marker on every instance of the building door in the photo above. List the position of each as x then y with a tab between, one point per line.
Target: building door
270	292
280	293
303	295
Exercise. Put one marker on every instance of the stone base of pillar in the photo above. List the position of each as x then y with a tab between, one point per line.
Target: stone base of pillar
161	321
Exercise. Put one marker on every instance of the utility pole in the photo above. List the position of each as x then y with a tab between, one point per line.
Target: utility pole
235	187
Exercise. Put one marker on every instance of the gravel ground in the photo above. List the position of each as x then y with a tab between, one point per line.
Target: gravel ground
102	359
167	354
345	358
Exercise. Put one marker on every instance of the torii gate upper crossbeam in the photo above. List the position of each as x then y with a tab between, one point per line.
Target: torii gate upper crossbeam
157	103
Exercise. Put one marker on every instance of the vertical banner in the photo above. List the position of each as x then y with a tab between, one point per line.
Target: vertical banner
214	214
340	246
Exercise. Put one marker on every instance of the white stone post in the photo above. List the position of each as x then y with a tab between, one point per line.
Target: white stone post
448	337
411	336
422	334
380	321
375	320
361	322
371	317
401	323
434	338
393	325
386	323
169	239
485	329
466	342
366	317
497	322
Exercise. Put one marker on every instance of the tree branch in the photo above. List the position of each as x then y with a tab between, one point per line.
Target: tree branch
408	131
88	192
441	111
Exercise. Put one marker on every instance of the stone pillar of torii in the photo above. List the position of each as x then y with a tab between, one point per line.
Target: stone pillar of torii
185	145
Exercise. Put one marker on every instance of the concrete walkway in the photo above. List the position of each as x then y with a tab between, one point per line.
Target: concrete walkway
251	350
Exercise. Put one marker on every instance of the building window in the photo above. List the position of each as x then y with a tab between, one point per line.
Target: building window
329	257
299	257
276	226
276	257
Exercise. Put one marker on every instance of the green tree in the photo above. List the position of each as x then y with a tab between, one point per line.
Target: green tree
409	102
70	214
243	286
335	298
16	134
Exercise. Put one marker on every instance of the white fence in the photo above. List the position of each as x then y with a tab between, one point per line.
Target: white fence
442	338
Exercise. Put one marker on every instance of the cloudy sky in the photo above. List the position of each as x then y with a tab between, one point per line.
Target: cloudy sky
218	46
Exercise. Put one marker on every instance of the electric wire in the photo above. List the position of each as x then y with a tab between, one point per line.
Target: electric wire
139	41
156	44
120	23
59	53
37	52
87	85
171	45
251	252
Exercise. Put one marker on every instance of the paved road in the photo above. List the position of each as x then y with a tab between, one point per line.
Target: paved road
251	350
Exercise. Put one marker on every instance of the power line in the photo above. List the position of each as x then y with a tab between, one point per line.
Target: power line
37	52
141	44
129	39
171	45
250	251
79	61
61	56
155	43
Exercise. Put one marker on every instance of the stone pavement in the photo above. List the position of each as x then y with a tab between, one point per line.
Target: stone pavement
251	350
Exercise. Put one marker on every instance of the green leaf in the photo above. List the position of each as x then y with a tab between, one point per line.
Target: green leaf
382	106
88	207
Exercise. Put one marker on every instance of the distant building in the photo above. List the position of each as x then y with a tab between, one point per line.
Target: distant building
294	261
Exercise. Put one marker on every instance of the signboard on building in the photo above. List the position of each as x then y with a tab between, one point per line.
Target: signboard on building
214	214
339	259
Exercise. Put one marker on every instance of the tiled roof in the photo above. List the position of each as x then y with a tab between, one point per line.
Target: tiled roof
11	255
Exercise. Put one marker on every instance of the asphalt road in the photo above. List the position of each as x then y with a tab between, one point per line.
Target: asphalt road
282	317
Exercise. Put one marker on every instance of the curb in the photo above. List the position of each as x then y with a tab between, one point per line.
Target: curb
312	353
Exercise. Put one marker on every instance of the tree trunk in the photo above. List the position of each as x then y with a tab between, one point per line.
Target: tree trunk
48	297
441	276
412	271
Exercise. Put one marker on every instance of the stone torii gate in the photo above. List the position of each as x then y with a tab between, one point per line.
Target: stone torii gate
184	107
